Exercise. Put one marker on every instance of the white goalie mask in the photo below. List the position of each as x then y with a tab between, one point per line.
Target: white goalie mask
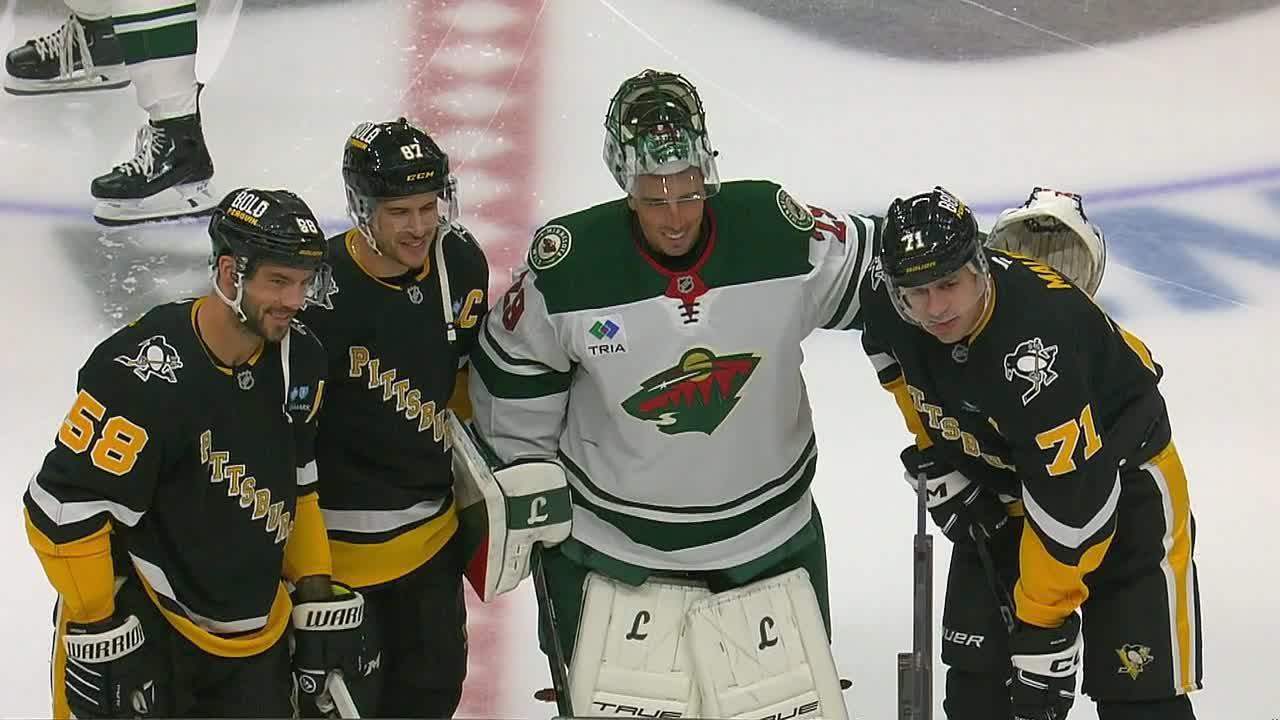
1051	227
656	126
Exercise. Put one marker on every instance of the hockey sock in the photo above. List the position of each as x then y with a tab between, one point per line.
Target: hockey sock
159	42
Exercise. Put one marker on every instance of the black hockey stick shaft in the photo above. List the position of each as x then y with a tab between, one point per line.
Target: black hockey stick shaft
998	589
558	663
915	669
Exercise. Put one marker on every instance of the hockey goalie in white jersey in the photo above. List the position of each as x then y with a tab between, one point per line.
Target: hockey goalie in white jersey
652	348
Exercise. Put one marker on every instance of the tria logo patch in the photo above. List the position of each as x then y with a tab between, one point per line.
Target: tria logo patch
694	396
606	337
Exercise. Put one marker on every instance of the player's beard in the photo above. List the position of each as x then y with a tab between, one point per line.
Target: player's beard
256	321
414	256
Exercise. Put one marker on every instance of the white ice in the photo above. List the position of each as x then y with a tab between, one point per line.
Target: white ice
1176	118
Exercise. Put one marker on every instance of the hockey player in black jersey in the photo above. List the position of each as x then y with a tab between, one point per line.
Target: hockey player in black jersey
1040	433
179	496
398	321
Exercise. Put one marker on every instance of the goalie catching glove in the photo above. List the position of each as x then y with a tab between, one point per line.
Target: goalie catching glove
1051	227
505	513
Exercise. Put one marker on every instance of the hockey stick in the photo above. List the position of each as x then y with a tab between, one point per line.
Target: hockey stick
556	660
1001	593
915	669
337	696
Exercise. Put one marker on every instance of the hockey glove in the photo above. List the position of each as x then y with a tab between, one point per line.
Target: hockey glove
959	506
1042	685
330	635
111	673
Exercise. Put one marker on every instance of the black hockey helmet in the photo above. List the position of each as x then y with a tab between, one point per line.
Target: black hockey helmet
275	225
927	237
393	160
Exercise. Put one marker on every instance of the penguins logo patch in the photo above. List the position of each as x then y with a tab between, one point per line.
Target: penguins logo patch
1134	658
155	358
550	245
795	213
1033	362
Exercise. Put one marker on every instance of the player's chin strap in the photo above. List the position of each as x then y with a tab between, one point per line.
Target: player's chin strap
446	298
234	304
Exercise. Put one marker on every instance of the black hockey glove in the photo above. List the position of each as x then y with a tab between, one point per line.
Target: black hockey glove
111	673
1042	685
330	635
959	506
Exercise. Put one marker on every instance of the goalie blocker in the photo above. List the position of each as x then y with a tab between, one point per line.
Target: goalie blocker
504	513
669	648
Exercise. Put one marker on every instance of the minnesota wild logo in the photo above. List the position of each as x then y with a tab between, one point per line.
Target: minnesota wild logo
694	396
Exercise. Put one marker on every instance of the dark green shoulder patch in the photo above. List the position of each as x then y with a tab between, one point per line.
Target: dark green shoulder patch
762	233
589	260
795	213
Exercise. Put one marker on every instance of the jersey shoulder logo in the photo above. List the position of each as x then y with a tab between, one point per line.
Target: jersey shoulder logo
876	271
550	245
795	213
155	358
694	396
1032	362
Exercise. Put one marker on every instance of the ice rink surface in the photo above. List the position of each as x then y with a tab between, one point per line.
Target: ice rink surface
1163	114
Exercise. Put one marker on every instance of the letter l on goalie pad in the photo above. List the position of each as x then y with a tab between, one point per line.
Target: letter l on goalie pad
504	513
761	651
631	655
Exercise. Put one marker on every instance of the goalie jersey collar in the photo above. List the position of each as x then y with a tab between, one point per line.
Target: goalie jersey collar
685	285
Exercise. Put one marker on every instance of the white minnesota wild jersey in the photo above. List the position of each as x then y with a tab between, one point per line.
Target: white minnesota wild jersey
673	398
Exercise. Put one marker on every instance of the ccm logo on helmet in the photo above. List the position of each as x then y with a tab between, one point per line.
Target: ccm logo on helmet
421	176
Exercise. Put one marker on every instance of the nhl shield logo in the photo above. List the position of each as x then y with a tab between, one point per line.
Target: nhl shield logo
415	294
155	358
1033	362
244	379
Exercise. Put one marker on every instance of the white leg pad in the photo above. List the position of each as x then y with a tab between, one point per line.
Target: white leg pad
630	656
761	651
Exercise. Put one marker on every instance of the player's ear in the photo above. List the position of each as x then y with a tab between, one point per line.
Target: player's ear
225	275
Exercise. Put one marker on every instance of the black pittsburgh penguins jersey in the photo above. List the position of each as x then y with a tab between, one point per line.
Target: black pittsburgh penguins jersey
1042	403
385	477
189	471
